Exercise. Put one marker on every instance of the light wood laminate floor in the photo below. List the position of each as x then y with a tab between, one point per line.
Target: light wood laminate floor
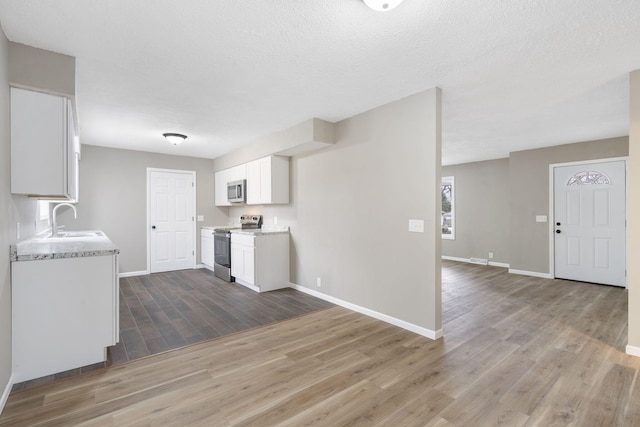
165	311
518	351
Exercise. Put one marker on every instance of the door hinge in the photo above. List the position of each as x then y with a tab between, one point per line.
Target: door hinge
193	184
193	252
193	218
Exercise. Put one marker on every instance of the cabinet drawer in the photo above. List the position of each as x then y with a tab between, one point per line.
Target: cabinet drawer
206	233
243	239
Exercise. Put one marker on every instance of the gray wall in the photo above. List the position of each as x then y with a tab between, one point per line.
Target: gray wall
513	191
113	198
13	210
41	69
481	210
349	220
529	195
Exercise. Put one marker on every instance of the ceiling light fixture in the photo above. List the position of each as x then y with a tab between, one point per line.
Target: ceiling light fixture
175	138
382	5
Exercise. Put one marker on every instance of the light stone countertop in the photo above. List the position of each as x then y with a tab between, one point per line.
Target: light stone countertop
266	230
40	248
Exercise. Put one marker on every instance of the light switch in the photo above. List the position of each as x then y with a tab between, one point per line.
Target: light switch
200	218
416	225
541	218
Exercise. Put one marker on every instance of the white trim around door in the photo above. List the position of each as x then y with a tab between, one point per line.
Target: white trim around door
192	203
552	204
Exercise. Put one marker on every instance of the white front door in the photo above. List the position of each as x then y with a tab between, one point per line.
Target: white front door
171	220
590	222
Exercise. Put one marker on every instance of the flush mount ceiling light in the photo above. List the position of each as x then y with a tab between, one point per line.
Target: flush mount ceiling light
175	138
382	5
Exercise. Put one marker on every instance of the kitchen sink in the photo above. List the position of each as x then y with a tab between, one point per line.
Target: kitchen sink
70	234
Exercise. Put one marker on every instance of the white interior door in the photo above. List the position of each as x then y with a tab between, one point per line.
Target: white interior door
590	222
171	220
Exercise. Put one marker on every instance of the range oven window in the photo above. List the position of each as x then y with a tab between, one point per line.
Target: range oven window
222	248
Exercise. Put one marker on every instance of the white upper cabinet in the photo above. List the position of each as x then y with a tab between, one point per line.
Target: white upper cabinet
44	147
268	181
235	173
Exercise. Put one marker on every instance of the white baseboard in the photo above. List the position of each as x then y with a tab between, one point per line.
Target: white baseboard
5	394
434	335
633	350
499	264
468	260
531	273
134	273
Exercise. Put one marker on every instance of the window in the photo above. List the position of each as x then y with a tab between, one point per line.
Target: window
448	220
588	178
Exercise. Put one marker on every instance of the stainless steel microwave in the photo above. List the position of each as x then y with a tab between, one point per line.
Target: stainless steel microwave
236	191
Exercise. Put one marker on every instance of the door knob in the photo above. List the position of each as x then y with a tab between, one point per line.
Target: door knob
153	227
558	231
558	224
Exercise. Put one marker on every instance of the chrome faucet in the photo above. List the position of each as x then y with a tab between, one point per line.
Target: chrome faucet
54	227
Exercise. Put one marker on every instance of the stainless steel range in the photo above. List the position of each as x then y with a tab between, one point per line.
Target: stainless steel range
222	245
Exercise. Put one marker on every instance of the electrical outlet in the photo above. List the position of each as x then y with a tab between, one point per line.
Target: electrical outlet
275	220
416	225
200	218
490	255
318	282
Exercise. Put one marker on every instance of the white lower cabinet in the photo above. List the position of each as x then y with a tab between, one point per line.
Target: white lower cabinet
207	244
243	260
64	313
260	262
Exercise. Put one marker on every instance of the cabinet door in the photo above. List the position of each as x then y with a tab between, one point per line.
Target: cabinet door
268	181
237	261
254	183
221	179
235	173
38	144
73	155
206	248
249	265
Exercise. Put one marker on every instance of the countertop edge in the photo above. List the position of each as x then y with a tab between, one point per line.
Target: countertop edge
38	248
61	255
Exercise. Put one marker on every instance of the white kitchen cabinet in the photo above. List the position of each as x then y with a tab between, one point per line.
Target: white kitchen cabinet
268	181
207	245
44	148
223	177
261	261
64	314
242	260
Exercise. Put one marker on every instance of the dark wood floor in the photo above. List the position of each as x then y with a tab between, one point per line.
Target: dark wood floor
165	311
517	351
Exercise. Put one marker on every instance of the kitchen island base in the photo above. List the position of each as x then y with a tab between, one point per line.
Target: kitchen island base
65	314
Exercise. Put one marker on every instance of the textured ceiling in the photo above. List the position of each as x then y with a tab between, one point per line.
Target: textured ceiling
514	74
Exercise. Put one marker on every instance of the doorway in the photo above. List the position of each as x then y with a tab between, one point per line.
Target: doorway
170	219
589	221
